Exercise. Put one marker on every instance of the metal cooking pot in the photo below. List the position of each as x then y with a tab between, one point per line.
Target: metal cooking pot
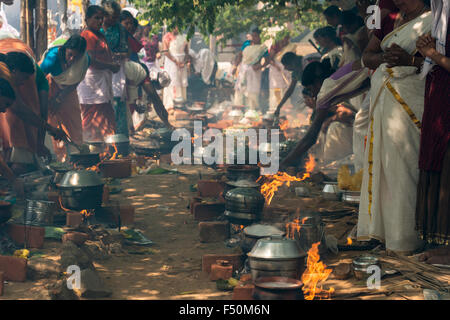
278	288
244	200
80	190
255	232
122	143
331	192
39	212
85	159
276	256
362	263
243	172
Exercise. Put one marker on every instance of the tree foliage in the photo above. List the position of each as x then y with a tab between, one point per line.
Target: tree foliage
229	18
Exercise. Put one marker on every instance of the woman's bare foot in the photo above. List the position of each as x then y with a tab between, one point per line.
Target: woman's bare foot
441	254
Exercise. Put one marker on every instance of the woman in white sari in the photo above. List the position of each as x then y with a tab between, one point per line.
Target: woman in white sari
389	188
176	48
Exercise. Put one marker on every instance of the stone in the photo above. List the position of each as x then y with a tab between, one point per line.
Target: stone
92	286
42	268
74	219
210	188
214	231
165	159
343	271
243	291
14	268
95	251
33	235
72	255
208	259
59	291
76	237
208	211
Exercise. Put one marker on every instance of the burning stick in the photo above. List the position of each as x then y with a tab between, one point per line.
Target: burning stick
315	275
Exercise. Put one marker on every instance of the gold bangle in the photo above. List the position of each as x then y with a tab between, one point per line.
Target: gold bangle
413	61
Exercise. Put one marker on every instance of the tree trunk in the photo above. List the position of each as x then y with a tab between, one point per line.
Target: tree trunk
30	5
42	27
23	21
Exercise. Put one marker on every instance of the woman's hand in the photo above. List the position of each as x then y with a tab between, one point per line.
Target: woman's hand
56	133
396	56
426	45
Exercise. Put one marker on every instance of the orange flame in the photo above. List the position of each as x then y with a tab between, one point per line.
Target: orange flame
268	189
293	228
309	166
284	126
194	137
114	156
349	241
315	275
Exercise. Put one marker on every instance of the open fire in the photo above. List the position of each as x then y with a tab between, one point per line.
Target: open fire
275	181
315	275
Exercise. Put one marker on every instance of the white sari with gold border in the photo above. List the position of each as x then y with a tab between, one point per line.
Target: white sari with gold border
388	193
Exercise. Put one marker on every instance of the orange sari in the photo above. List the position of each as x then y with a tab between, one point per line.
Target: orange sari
13	131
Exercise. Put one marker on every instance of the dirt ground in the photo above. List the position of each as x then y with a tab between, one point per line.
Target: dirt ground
172	269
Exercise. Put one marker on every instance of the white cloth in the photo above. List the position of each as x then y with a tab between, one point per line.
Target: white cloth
440	9
390	174
135	74
96	88
178	76
7	28
360	127
338	142
119	81
204	62
278	78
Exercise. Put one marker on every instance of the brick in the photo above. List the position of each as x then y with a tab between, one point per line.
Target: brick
74	219
14	268
209	259
210	188
33	235
214	231
243	292
193	202
76	237
246	278
2	282
208	211
219	271
118	168
126	215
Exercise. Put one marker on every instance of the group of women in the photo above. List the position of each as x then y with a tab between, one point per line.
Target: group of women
403	115
78	91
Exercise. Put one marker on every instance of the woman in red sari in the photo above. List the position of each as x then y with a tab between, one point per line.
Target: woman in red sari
95	91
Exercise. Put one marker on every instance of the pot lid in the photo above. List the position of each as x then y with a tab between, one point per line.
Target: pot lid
117	138
81	178
262	231
276	247
244	183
